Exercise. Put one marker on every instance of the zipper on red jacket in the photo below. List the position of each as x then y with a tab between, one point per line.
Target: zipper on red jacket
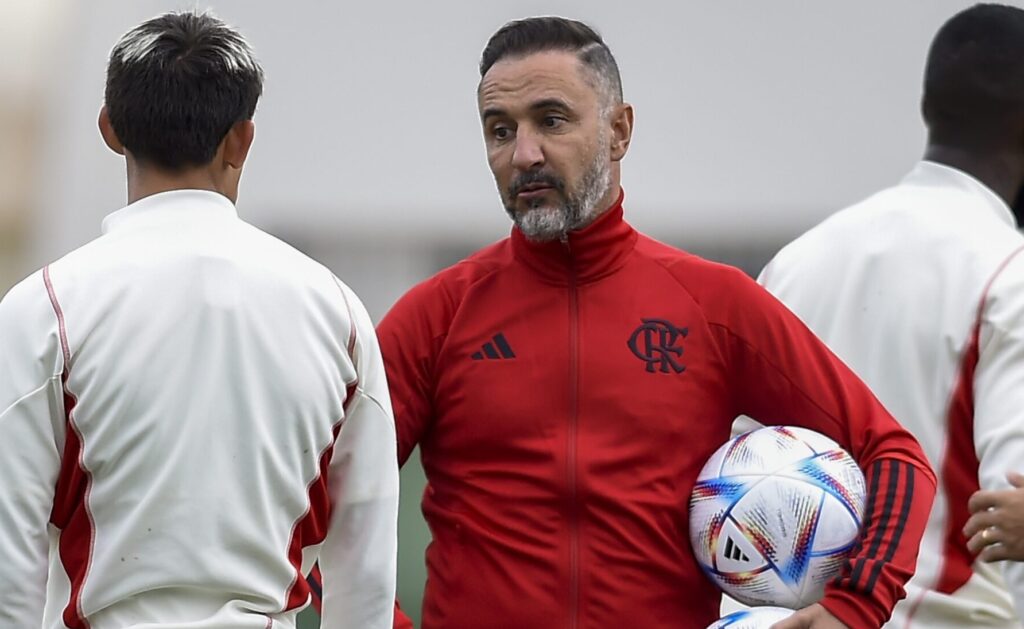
574	388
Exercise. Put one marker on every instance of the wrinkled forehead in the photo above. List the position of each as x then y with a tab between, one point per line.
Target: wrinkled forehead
547	75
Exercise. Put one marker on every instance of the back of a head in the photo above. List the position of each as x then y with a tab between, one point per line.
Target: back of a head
974	77
176	84
540	34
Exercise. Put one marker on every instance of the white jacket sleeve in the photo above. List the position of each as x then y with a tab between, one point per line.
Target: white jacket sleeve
358	560
999	395
31	440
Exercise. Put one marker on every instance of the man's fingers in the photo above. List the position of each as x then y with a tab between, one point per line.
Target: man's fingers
975	544
995	552
979	522
803	619
985	538
1017	480
982	500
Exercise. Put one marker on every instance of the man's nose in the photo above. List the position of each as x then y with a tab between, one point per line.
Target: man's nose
529	153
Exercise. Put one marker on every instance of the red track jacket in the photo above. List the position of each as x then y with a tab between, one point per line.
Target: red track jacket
564	397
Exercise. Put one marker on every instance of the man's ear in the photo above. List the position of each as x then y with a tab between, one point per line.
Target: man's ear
622	130
237	142
107	131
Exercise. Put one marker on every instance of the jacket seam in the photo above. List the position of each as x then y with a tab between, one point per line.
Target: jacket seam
707	322
361	392
455	305
779	371
28	395
981	317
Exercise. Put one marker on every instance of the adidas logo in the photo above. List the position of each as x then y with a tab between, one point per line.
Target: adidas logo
495	349
732	551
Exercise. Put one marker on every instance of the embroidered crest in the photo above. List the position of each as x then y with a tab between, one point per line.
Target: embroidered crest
659	344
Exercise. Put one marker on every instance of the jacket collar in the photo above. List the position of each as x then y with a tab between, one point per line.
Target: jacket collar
933	174
586	255
172	206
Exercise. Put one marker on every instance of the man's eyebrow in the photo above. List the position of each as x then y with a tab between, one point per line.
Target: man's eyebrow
546	103
550	103
492	112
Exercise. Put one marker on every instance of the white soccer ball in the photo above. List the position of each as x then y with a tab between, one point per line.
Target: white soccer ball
774	515
753	618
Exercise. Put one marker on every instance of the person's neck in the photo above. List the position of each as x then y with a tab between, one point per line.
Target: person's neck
611	198
606	203
1001	171
147	181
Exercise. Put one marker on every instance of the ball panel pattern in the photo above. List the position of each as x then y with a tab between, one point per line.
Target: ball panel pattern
774	514
754	618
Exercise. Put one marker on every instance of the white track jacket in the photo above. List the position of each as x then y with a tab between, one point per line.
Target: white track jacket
191	414
920	289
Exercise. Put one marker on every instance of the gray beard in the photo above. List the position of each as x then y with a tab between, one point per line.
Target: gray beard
542	223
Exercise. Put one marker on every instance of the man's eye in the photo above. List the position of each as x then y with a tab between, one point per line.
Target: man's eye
501	133
552	122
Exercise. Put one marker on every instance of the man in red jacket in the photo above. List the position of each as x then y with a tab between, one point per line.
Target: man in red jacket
567	384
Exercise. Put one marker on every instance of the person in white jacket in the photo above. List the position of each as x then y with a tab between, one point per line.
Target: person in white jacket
191	412
920	289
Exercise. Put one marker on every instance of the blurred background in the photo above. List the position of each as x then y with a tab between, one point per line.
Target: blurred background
754	120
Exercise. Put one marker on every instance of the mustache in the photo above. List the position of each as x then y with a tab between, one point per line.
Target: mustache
535	177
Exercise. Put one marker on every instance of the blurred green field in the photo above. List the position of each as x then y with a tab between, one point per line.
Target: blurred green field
413	537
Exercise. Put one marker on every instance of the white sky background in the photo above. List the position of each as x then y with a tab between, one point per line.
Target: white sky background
753	119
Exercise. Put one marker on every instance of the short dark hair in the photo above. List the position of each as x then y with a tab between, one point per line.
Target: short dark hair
974	76
176	84
539	34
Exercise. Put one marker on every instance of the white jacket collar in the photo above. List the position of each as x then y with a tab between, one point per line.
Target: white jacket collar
936	175
175	205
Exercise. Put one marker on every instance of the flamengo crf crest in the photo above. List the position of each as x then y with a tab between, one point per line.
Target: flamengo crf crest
658	343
